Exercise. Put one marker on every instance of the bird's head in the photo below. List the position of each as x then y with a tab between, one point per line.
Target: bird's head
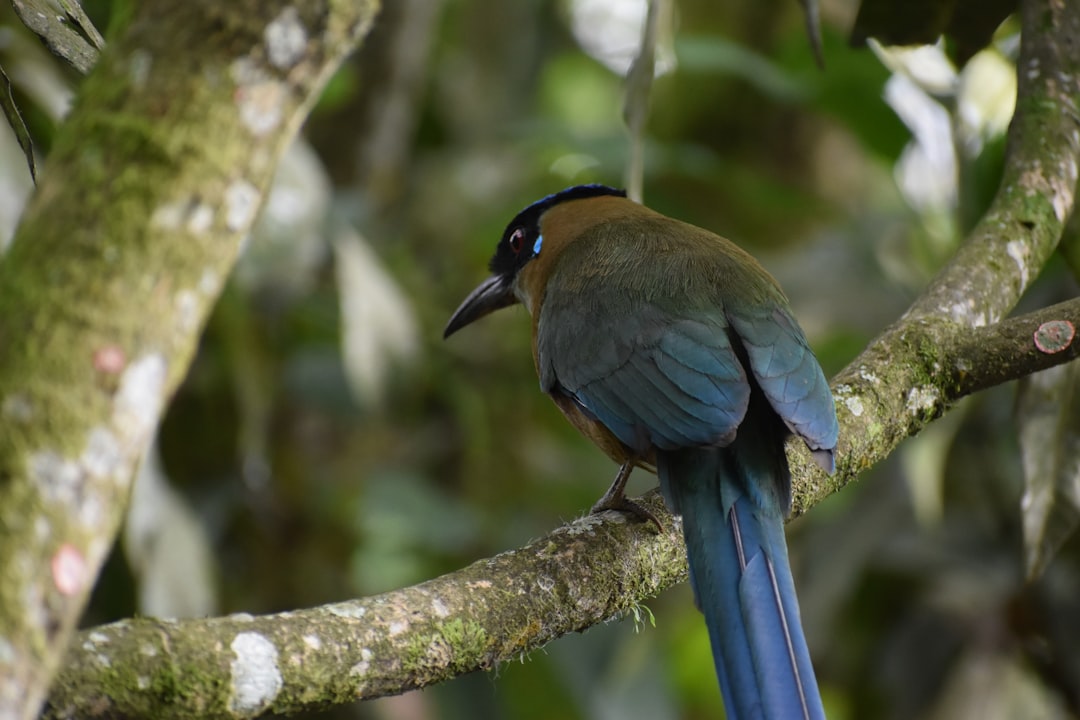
522	242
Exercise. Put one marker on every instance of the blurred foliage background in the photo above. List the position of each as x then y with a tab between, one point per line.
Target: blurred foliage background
327	443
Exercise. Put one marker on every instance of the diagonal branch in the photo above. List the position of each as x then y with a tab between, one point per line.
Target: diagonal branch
60	37
895	386
491	612
488	613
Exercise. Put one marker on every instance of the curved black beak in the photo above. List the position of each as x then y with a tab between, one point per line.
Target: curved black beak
489	296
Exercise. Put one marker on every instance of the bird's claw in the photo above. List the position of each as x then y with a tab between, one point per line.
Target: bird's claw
623	504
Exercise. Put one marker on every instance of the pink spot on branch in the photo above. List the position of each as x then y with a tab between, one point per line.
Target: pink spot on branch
110	360
1054	336
68	569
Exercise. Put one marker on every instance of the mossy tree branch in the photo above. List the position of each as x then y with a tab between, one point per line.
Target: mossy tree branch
491	612
951	342
902	380
152	182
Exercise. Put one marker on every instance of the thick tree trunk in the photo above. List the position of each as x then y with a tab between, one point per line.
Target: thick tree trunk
151	185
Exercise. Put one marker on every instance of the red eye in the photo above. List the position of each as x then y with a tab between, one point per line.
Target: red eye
517	240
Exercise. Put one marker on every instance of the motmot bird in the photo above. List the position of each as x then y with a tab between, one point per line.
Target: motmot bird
671	348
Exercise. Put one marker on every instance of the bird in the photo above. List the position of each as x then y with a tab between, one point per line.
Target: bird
673	349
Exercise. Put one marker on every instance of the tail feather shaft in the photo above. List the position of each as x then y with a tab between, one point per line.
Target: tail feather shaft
742	583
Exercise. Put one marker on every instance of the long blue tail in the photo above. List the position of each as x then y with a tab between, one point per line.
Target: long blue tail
733	502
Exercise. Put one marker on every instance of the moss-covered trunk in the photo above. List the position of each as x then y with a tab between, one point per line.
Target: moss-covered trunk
152	183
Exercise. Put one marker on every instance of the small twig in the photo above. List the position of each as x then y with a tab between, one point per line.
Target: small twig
75	11
18	125
812	16
639	79
61	39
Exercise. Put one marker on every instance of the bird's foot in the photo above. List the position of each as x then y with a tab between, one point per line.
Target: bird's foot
615	499
626	505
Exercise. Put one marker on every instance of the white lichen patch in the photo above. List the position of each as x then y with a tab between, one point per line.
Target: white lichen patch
188	213
148	649
364	665
137	404
64	481
439	608
242	617
1018	251
92	510
139	66
209	282
313	642
587	524
245	71
241	203
868	375
103	456
7	652
18	408
397	627
34	609
854	405
260	98
348	610
169	216
200	219
285	38
255	679
187	309
921	399
57	478
142	682
1062	189
964	312
103	660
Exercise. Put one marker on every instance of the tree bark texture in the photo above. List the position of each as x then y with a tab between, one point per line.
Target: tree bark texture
494	611
152	183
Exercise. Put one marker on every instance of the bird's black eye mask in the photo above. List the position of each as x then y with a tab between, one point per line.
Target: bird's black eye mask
521	241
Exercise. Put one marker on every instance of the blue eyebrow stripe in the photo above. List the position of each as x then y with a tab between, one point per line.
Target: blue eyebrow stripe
537	244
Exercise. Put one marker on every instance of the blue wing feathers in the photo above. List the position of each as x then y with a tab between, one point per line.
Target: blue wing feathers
694	384
652	376
678	383
648	405
785	368
604	405
694	418
639	394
